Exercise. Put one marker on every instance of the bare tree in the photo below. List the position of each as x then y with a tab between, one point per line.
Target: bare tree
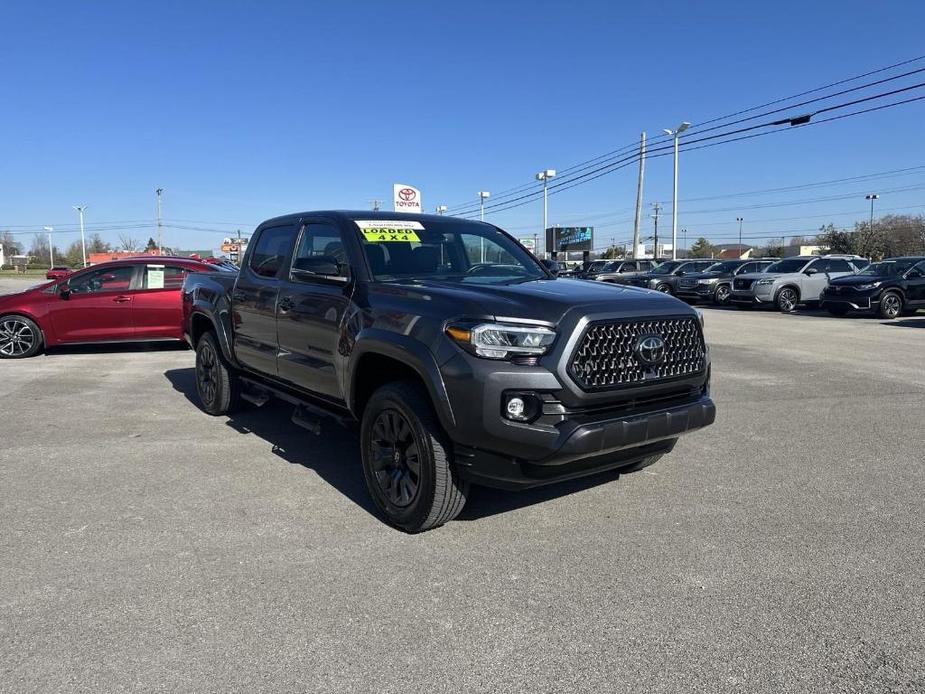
128	242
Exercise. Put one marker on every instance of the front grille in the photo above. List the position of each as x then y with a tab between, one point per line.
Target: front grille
742	284
606	354
688	284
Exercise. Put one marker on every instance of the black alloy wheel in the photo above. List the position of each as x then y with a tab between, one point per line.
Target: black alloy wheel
787	300
19	337
216	383
206	373
891	305
663	288
396	458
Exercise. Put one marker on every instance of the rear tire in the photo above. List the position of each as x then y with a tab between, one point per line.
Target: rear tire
663	288
891	306
216	383
20	337
407	460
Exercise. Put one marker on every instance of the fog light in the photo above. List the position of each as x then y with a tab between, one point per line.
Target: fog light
516	408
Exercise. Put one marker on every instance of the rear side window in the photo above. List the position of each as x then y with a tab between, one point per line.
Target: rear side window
321	241
271	250
838	266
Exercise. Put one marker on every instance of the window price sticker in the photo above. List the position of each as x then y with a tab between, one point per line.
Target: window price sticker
386	230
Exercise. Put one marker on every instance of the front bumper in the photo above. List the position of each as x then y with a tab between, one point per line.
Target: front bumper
855	301
699	291
589	447
752	297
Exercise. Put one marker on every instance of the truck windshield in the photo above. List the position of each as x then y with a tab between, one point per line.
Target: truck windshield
445	251
725	266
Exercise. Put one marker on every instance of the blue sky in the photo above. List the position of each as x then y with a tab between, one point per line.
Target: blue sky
245	110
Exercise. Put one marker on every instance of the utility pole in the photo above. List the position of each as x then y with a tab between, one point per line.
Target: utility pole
684	231
376	203
870	229
658	209
83	243
160	230
51	247
441	209
740	220
676	134
642	170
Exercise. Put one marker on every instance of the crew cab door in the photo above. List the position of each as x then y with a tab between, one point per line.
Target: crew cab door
314	301
255	294
97	306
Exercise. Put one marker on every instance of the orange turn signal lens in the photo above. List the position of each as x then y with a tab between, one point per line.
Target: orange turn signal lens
460	334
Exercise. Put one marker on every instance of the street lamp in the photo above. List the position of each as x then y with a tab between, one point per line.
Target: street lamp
441	209
740	220
544	176
674	203
51	247
83	244
483	196
870	229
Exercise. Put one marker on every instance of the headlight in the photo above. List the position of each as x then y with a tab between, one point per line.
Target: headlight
868	286
501	341
765	282
712	281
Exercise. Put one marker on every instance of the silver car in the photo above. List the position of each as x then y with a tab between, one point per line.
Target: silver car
793	281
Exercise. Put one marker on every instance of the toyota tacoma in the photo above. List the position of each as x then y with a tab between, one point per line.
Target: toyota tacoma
460	357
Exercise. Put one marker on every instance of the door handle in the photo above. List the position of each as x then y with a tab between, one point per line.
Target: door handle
286	303
122	299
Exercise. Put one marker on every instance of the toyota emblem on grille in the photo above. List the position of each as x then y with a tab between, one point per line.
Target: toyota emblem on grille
650	350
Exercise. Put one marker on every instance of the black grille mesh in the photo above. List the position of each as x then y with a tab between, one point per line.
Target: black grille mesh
606	356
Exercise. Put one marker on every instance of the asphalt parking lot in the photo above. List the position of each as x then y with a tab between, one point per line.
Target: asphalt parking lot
147	546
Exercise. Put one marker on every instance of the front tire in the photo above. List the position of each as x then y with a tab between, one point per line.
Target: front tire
216	382
891	306
407	460
787	300
663	288
721	297
20	337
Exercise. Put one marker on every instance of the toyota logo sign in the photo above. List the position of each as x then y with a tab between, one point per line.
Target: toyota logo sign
407	194
650	350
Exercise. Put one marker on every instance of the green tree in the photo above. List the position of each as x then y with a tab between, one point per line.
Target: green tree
152	245
10	245
701	248
96	244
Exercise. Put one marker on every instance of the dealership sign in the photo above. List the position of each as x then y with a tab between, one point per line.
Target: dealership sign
407	198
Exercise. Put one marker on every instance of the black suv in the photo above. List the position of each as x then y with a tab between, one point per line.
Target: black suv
715	283
460	356
666	276
887	288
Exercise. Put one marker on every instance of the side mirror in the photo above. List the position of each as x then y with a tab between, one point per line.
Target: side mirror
64	291
809	272
318	266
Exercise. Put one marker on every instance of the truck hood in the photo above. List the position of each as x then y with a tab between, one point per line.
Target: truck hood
537	300
854	280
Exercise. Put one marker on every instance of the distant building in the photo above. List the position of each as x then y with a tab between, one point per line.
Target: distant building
790	251
2	257
195	254
94	258
731	251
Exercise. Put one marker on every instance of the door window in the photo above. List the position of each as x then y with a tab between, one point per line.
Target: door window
163	277
917	271
838	266
321	246
111	279
628	267
271	250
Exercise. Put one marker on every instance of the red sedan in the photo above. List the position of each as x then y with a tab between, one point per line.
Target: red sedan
130	300
58	272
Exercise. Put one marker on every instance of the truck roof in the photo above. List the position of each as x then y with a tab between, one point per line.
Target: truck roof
349	215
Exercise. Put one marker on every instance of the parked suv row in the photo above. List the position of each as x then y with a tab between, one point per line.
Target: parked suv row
715	283
791	282
663	278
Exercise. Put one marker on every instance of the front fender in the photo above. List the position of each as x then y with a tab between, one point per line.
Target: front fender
410	352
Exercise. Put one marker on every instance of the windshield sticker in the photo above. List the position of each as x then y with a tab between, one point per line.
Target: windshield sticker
385	230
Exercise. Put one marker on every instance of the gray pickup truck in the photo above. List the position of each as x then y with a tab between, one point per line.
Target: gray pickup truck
460	357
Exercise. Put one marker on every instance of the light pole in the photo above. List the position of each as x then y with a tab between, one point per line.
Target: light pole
51	247
740	220
676	133
870	229
83	243
544	176
160	245
483	196
441	209
684	231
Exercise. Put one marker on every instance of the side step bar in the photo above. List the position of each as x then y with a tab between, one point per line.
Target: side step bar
306	414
